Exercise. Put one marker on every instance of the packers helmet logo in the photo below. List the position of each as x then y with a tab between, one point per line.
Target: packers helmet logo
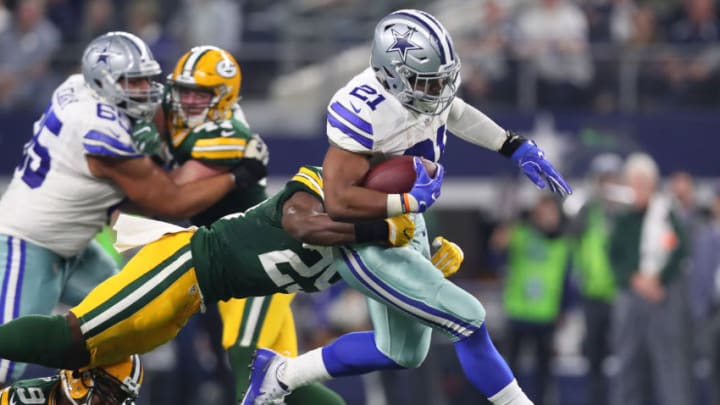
226	69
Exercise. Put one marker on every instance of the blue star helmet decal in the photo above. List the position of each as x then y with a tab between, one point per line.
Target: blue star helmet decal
103	56
403	43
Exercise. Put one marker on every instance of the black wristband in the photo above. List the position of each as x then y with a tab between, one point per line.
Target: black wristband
248	172
376	231
511	144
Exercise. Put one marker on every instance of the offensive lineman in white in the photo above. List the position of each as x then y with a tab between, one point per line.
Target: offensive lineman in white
404	104
81	163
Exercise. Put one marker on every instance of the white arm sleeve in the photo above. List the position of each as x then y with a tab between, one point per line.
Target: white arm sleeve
468	123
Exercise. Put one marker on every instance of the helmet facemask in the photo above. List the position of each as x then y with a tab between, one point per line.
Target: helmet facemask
428	93
139	103
191	108
94	387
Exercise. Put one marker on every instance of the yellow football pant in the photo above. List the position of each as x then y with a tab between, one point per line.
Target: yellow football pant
259	322
144	305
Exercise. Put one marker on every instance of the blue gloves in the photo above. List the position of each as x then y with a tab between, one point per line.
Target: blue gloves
531	160
426	189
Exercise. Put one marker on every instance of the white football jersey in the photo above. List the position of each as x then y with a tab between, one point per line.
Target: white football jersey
365	118
53	200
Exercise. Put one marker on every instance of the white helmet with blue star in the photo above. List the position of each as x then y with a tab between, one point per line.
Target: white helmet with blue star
414	58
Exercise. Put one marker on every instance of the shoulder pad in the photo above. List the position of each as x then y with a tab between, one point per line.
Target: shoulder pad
107	133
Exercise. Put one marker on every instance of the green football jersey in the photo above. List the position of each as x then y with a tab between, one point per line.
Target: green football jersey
250	254
215	143
36	391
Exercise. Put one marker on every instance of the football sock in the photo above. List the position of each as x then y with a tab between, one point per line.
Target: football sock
355	353
482	363
239	358
350	354
315	394
512	394
302	370
39	339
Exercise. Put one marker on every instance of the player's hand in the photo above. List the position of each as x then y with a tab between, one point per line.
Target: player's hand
531	160
257	149
401	230
448	257
426	189
146	138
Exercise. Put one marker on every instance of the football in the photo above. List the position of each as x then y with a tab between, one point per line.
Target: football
395	175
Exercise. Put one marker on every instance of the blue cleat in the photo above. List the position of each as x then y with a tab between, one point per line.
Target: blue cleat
265	388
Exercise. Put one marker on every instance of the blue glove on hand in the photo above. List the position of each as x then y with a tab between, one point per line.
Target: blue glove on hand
426	189
531	160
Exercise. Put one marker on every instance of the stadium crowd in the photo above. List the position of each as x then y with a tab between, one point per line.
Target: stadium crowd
599	54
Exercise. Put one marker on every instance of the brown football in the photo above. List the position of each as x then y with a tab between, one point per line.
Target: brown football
395	175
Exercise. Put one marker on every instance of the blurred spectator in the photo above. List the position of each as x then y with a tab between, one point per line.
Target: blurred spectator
143	21
682	190
553	39
694	69
4	17
705	295
487	75
536	286
26	49
99	18
591	229
209	22
650	315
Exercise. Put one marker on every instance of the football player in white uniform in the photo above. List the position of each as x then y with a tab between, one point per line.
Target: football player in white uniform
404	104
80	164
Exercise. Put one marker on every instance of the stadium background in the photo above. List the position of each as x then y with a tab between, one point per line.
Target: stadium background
622	76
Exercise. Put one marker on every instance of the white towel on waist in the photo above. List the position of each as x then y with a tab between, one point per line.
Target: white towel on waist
135	231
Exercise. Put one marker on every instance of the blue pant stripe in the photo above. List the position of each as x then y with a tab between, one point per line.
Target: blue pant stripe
453	325
6	277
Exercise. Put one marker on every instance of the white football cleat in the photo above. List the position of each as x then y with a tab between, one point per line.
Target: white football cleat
265	388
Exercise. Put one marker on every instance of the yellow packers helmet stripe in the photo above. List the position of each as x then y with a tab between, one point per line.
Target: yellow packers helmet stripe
311	180
194	57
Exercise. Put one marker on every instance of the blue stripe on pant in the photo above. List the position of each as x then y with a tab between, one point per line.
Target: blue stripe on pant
408	297
11	292
35	280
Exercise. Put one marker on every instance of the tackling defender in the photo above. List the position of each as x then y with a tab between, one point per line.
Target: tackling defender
206	134
82	162
281	245
403	104
118	384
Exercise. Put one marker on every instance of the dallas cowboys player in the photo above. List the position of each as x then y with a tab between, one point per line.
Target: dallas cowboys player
79	165
404	104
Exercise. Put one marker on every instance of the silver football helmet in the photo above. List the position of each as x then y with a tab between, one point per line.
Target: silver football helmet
111	60
414	58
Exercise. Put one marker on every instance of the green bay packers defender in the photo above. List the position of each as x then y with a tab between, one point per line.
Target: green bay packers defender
206	133
281	245
117	384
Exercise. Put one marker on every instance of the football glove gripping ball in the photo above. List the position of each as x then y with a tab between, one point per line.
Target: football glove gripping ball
448	257
426	190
